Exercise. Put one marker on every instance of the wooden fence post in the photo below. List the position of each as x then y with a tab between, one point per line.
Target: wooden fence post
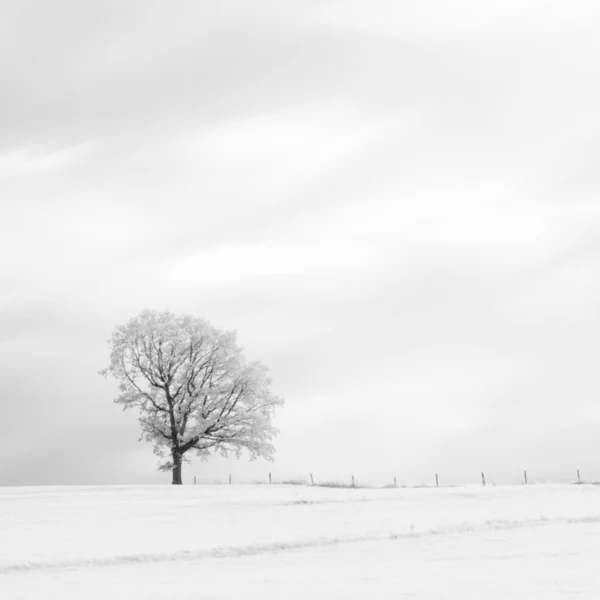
395	482
229	478
353	481
578	477
194	480
483	478
437	480
525	474
312	481
270	478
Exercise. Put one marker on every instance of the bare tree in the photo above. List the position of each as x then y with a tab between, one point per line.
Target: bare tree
193	389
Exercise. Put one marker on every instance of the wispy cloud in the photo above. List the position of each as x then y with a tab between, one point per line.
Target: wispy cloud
28	162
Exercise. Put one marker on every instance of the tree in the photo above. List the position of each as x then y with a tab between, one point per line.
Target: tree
193	388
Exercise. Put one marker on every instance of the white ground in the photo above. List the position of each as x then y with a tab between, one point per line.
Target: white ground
280	542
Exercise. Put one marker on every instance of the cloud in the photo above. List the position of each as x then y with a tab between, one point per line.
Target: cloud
23	162
432	20
395	208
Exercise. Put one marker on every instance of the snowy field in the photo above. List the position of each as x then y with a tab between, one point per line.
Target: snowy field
291	542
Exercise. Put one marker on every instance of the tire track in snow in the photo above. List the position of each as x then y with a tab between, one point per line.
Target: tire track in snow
274	547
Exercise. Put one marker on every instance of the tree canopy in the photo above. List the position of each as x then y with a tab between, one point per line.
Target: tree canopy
193	388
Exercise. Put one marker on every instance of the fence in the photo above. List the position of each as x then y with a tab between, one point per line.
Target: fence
352	482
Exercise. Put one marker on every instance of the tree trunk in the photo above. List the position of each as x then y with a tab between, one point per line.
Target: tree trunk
177	460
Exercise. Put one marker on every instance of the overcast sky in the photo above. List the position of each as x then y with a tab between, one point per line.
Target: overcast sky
395	204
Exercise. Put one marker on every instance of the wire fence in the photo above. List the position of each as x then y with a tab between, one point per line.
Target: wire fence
353	482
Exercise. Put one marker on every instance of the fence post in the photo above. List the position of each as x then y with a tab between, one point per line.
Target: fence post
194	480
229	478
578	477
483	478
437	480
525	474
395	482
353	481
270	478
312	481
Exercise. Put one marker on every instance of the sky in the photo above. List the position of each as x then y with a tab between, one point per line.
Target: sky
395	205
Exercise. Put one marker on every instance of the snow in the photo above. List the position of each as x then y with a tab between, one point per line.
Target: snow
271	541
